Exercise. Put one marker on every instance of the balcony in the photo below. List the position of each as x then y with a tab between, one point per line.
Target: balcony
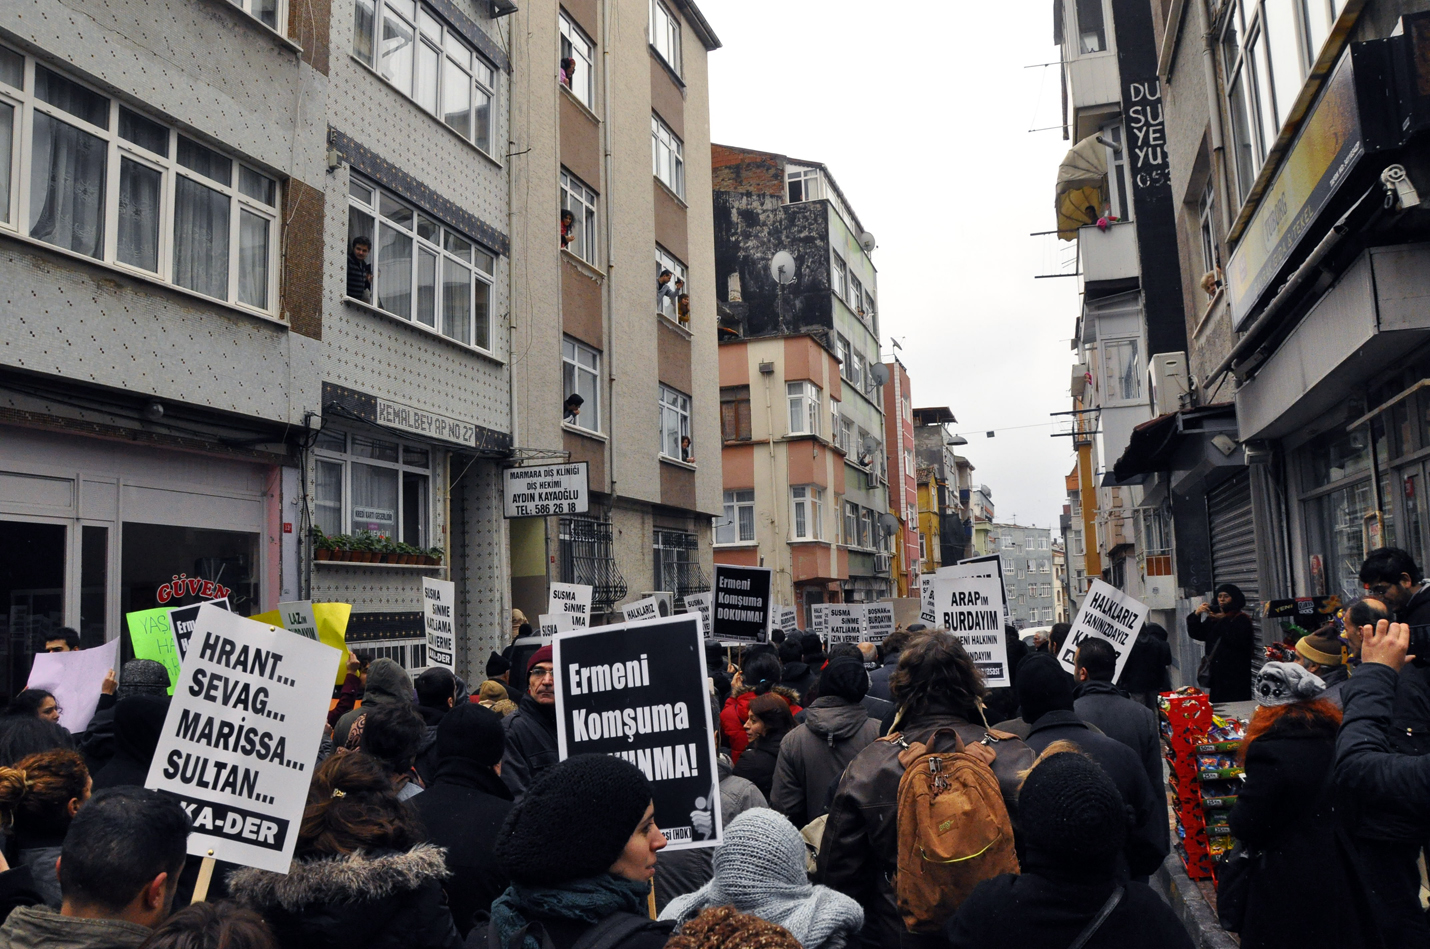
1093	80
1109	256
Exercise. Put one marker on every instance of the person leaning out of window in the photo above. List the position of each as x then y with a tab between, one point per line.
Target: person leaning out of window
360	269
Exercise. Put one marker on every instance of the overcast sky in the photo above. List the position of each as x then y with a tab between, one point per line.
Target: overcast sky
921	111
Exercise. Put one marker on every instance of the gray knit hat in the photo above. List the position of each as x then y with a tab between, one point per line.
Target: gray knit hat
142	677
1282	683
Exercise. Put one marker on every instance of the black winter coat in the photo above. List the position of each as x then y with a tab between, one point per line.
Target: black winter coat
1147	840
386	900
879	678
1411	721
1117	716
1044	908
530	743
1146	666
1232	636
1286	811
757	764
463	810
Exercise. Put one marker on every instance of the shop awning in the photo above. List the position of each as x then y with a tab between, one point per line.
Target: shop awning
1176	441
1082	187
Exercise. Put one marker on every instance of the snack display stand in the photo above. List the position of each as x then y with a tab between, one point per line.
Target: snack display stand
1201	751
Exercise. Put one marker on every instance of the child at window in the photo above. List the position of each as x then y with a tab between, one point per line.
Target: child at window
568	69
682	308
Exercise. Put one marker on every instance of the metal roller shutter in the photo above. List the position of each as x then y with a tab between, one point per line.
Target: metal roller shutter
1233	543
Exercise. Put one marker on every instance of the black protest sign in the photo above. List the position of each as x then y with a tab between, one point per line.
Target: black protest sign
638	691
741	611
182	620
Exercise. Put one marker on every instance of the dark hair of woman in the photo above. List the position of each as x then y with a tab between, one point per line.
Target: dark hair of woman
352	806
1238	599
36	792
935	672
774	712
212	926
761	672
22	735
28	702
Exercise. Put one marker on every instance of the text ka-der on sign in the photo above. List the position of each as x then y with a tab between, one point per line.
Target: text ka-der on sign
241	737
550	489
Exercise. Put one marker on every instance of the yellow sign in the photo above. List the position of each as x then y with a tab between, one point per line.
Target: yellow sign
332	620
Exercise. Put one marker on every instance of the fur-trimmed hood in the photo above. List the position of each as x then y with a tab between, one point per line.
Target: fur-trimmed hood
350	878
790	696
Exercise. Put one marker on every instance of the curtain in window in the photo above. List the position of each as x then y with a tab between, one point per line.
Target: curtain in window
200	238
67	174
456	301
394	271
426	288
328	497
7	142
253	260
139	215
374	499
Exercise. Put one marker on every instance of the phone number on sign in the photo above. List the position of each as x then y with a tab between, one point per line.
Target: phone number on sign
537	510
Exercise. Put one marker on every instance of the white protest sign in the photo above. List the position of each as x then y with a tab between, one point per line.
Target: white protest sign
298	618
241	737
819	618
878	621
926	611
439	598
846	622
640	610
700	603
989	566
968	608
1109	614
789	620
74	679
549	624
572	600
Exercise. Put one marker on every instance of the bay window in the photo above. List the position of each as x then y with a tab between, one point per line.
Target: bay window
423	271
804	410
737	526
674	424
366	483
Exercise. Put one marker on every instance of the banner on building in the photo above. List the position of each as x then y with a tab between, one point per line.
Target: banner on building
546	490
878	621
439	618
573	600
638	691
969	608
846	623
241	737
741	607
1106	613
700	603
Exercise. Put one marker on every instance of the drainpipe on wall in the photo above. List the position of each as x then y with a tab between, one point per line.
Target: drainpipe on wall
610	293
1218	157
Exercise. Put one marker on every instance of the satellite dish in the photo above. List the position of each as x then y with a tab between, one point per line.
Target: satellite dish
879	373
866	241
889	523
782	267
870	444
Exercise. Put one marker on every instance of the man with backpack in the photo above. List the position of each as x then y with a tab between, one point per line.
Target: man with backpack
880	846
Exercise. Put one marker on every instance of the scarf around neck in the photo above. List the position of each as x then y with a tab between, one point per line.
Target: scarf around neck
588	901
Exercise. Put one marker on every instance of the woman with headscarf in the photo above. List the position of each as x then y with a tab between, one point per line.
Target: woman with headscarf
760	870
138	723
767	724
1229	639
580	850
1290	818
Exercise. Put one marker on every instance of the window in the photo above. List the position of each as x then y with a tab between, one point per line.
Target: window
908	462
581	375
1092	37
923	547
667	156
677	563
804	410
1047	614
665	34
1032	566
738	524
1045	567
1206	223
422	270
807	512
427	61
109	183
802	184
834	421
735	414
585	555
674	424
866	529
581	202
267	12
1117	171
869	309
668	294
372	484
577	63
851	523
856	293
1121	370
846	434
838	276
1007	540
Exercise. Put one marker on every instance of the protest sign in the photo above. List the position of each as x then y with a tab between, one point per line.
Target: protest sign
75	679
700	603
788	620
968	607
989	566
878	621
846	623
741	609
181	622
241	737
819	618
298	617
549	624
926	610
331	620
152	634
638	691
573	600
439	599
1109	614
641	610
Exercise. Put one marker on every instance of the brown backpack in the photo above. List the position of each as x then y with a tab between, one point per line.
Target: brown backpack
954	829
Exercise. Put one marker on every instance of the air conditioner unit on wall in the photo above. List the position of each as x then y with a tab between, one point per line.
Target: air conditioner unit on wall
1168	372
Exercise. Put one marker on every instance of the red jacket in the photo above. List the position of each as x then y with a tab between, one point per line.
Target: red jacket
737	709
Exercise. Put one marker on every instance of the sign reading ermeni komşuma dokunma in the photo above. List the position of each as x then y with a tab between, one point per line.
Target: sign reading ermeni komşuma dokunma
741	609
638	691
546	490
241	737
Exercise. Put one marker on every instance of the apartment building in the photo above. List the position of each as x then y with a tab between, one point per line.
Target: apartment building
256	260
934	446
799	345
1026	555
900	462
613	301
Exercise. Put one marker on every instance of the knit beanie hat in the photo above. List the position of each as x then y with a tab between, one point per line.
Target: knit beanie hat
721	927
497	664
1282	683
1323	647
142	677
541	655
471	731
573	822
1071	812
845	678
1043	686
492	691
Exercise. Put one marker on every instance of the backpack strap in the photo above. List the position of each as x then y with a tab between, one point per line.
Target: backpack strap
615	929
1091	929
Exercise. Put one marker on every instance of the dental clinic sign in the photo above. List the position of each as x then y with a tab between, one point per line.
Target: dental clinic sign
546	490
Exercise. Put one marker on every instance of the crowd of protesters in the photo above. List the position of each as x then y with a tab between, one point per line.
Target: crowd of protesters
440	814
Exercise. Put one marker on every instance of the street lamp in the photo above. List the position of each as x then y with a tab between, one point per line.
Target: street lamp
957	440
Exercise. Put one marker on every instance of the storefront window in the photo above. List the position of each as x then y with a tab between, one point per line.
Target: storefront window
362	483
155	555
1336	526
1335	456
93	584
32	595
1413	535
1387	502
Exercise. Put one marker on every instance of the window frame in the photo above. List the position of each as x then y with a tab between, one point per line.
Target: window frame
324	454
569	36
807	502
808	180
806	404
1109	397
666	305
838	275
663	137
440	250
577	192
26	104
672	403
280	14
735	414
1206	226
665	35
592	404
736	501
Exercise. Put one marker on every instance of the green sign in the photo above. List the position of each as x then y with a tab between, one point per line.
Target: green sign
153	638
